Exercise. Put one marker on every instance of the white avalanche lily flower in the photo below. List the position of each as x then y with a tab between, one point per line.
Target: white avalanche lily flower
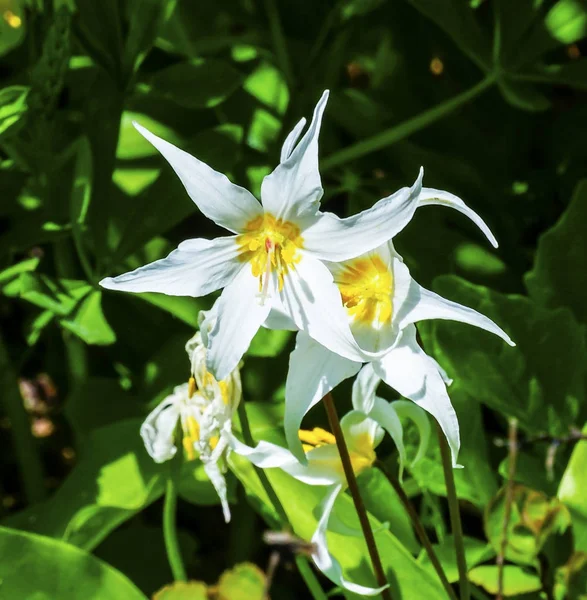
275	259
324	467
204	407
382	302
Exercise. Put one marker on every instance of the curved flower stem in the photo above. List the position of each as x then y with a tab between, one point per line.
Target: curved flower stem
170	532
306	572
420	531
455	515
355	493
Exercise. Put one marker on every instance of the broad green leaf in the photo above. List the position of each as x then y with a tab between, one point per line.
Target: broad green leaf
243	582
34	567
131	144
541	381
559	276
88	321
571	579
268	342
183	590
195	487
523	95
10	273
515	580
571	492
267	84
12	106
197	83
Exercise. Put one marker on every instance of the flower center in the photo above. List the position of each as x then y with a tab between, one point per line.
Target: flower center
366	287
270	245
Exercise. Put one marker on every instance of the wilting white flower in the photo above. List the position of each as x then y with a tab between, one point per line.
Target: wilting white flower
275	261
362	433
204	407
382	302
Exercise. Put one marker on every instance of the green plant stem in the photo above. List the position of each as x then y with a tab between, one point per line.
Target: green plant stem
455	515
306	572
356	494
399	132
29	462
419	528
279	41
170	532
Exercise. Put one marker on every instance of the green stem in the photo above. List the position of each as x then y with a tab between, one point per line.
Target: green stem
455	515
399	132
279	41
419	528
170	532
29	462
306	572
356	494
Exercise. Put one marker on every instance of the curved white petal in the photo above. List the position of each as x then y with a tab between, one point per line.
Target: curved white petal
419	304
313	372
362	433
218	480
312	300
240	313
291	139
334	239
158	428
198	267
384	413
325	562
405	408
364	389
410	371
430	196
227	204
264	455
293	191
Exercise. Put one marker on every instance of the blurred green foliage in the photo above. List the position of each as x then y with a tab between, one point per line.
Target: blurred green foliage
488	95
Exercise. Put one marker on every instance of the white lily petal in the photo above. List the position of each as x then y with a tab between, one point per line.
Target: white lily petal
240	314
334	239
325	562
430	196
419	304
364	389
264	455
410	371
293	191
405	408
227	204
384	413
313	302
158	428
218	480
362	433
291	139
313	372
198	267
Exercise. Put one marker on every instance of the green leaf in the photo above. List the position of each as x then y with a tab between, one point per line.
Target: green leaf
515	580
268	342
88	321
131	144
183	590
12	107
523	96
195	487
573	74
11	273
559	276
541	381
267	84
197	83
571	492
243	582
566	21
39	568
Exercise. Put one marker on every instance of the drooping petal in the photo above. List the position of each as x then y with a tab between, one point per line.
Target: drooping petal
416	303
364	389
384	413
334	239
404	409
313	372
218	480
293	191
159	426
430	196
362	433
227	204
409	370
291	139
325	562
240	314
313	302
198	267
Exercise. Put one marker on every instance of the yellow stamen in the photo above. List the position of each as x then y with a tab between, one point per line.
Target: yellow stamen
317	437
214	441
270	245
366	287
191	387
191	434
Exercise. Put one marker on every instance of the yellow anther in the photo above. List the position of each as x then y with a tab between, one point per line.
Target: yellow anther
191	387
316	437
214	441
191	434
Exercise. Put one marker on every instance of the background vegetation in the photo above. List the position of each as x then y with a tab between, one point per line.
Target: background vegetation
489	96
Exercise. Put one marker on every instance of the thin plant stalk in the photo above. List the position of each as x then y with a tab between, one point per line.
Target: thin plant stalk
419	528
170	532
355	493
279	41
455	516
306	572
